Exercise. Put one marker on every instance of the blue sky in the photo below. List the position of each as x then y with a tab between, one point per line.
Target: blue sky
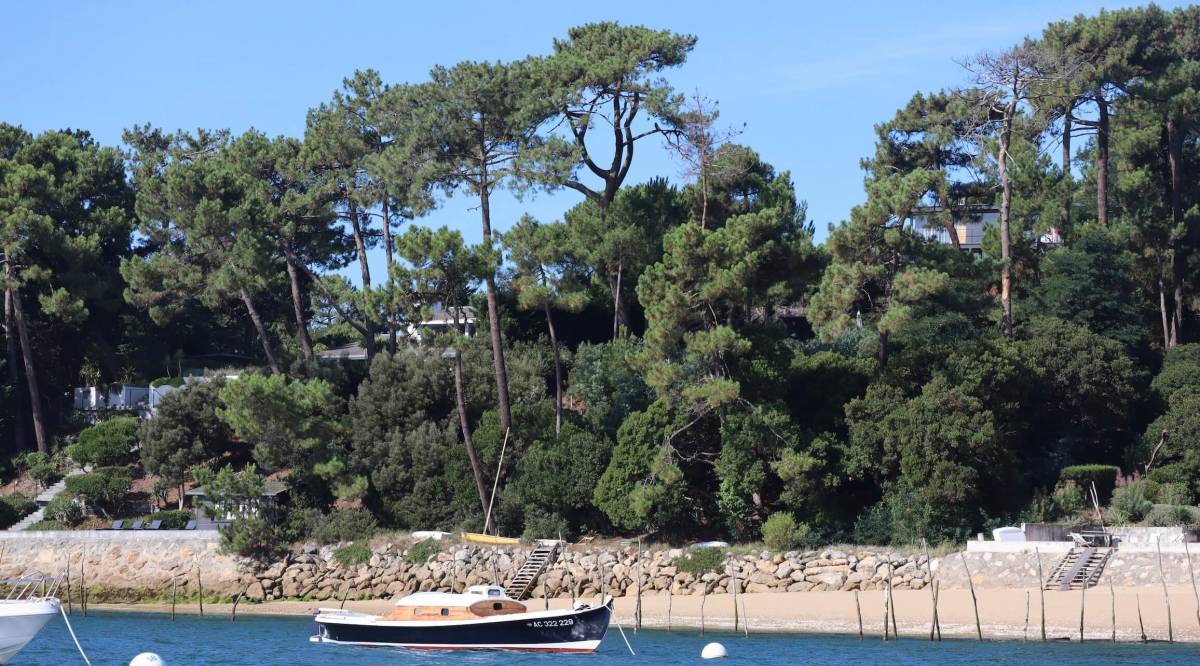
809	80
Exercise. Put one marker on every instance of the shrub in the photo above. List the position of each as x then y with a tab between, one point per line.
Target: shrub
421	551
251	536
103	489
13	508
352	555
1172	473
167	381
1176	494
42	469
63	509
345	525
172	520
782	532
1104	476
107	443
45	526
699	561
541	524
300	522
1171	516
1130	501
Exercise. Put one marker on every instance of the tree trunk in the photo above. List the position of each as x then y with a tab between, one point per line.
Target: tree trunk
262	331
20	437
1005	212
882	354
306	346
558	378
360	246
1068	180
948	224
618	317
391	291
476	469
1179	259
31	380
1102	125
1162	309
494	312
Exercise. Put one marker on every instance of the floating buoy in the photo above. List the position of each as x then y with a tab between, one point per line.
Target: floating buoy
147	659
710	651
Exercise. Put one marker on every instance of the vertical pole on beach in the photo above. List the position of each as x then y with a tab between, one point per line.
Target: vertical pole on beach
82	585
1141	627
1112	595
703	598
1041	589
886	604
545	592
974	600
937	594
200	589
1192	574
745	618
637	616
174	591
733	568
70	608
1082	607
1162	577
670	599
892	602
932	595
1025	633
233	611
345	593
858	610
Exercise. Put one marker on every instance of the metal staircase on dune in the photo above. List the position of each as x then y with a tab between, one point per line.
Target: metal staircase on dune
527	576
1079	568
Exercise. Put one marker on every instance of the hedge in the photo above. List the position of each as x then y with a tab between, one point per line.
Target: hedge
1104	476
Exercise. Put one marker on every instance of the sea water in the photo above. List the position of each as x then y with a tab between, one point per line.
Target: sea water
115	638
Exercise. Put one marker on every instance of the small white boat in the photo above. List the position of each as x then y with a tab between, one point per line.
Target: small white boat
482	618
29	606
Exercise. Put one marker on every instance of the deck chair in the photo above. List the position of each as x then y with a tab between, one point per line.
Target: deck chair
117	524
154	524
191	525
137	524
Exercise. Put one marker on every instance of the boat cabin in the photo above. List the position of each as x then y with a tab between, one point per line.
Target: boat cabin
478	601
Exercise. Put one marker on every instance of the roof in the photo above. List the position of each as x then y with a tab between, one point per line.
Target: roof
271	488
352	352
446	316
452	600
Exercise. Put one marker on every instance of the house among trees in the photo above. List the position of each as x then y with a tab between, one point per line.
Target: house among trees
222	512
970	222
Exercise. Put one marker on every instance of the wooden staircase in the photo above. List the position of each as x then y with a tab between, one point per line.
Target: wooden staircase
1079	568
527	576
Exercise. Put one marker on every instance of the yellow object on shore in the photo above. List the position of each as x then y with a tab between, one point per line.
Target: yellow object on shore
488	538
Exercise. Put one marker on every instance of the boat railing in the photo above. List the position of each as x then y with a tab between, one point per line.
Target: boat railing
31	587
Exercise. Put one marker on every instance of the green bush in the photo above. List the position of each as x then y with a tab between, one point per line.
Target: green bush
172	520
345	525
782	532
64	509
13	508
544	525
46	526
167	381
1130	501
251	536
42	469
1171	516
1104	476
421	551
300	522
103	489
699	561
107	443
352	555
1175	494
1172	473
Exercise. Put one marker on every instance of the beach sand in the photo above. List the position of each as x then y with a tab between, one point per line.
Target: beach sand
1001	612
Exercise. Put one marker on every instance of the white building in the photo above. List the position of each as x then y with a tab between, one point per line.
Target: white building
970	221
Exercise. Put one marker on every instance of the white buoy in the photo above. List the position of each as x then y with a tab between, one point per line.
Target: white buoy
710	651
147	659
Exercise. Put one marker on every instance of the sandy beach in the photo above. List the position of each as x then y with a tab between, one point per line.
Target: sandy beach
1002	612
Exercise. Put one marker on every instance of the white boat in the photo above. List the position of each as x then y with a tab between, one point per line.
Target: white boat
482	618
30	604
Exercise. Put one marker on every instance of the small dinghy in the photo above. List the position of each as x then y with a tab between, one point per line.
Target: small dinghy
482	618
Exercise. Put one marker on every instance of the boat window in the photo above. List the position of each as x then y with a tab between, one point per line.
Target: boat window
416	611
493	593
497	606
445	611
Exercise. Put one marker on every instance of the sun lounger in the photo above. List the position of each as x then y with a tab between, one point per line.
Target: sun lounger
118	524
191	525
137	524
154	524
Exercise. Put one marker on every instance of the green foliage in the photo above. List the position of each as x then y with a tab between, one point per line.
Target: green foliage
42	468
172	520
185	432
46	526
106	444
641	487
228	489
421	551
556	478
341	525
352	555
1174	494
65	510
781	532
607	380
1083	476
1172	516
1131	501
542	525
251	536
101	490
13	508
699	561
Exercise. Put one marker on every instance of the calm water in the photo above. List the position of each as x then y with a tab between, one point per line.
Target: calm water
114	639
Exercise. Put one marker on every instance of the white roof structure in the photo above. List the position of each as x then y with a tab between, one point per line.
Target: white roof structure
451	600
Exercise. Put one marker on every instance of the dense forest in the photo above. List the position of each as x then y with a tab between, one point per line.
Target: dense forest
677	356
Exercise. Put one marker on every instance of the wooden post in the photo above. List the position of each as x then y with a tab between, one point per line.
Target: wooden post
703	598
733	568
887	603
1141	627
345	593
892	602
1041	589
1025	633
82	585
1082	607
70	608
200	588
974	600
745	618
637	614
932	595
174	589
1112	595
1192	574
1162	577
545	592
670	599
233	611
937	594
858	610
